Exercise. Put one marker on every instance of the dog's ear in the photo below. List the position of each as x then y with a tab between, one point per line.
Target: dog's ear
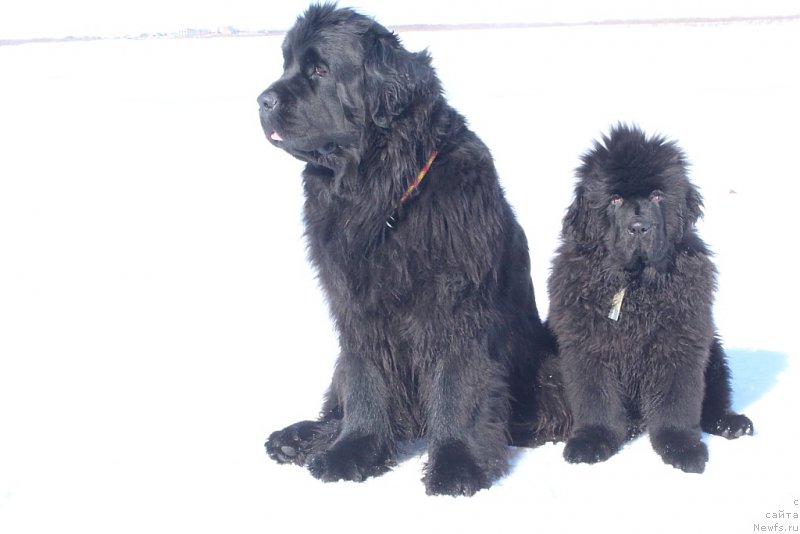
394	77
577	224
694	206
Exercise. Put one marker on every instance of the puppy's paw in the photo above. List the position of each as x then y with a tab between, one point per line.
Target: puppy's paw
590	445
731	426
452	470
353	458
292	444
681	449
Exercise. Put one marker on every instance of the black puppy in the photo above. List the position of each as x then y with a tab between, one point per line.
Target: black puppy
631	295
423	263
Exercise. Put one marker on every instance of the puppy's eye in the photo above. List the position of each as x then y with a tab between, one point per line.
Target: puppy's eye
320	71
656	196
616	200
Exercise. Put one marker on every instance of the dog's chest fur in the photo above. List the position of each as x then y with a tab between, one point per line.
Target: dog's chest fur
654	308
401	280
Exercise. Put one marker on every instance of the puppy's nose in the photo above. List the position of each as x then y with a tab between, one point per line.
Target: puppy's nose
639	227
268	100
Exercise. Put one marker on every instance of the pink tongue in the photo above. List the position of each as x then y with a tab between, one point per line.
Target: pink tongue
276	136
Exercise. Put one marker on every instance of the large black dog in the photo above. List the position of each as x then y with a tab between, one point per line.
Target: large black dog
422	261
631	299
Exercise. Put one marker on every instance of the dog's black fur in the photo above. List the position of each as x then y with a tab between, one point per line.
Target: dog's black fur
438	328
659	365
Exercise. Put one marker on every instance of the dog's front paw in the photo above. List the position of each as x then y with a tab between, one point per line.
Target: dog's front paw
352	458
731	426
681	449
452	470
590	445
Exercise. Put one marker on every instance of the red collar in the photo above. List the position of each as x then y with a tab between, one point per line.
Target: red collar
411	189
422	172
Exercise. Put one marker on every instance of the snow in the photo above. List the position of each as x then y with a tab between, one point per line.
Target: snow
158	318
52	18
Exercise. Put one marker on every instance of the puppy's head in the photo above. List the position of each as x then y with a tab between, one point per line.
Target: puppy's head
633	198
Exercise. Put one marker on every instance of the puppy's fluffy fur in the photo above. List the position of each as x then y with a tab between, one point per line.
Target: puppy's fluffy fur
631	294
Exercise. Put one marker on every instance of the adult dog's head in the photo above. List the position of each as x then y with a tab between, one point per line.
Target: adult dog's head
345	78
633	200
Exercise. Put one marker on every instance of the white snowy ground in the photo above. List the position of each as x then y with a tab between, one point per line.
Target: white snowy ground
158	319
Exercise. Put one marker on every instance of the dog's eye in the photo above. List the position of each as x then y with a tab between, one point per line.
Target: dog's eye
616	200
320	71
656	196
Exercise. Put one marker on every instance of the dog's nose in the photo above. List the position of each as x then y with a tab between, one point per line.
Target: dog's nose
268	100
639	227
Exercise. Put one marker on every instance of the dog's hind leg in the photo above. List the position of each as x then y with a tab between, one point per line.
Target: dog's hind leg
295	443
717	416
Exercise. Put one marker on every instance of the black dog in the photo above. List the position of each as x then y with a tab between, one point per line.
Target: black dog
422	261
631	299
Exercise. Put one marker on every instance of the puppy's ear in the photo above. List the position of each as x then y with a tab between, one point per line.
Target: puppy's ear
694	206
394	78
577	225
